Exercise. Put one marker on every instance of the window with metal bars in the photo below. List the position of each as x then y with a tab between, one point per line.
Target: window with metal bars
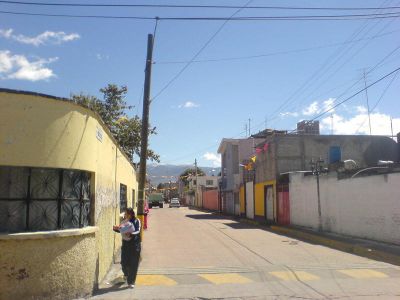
123	197
41	199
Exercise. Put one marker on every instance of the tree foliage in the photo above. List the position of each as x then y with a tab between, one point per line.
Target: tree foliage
190	172
112	109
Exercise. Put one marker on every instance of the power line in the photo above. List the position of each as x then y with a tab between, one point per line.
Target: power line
379	100
196	6
199	52
328	63
348	17
276	53
355	94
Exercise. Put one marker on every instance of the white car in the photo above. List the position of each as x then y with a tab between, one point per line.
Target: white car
174	203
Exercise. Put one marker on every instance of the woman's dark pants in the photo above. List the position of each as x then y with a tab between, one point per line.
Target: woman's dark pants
130	254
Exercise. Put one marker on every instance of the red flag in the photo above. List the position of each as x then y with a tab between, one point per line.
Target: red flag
266	147
258	150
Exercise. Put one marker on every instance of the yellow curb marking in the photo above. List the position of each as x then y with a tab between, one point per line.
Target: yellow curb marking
225	278
154	280
363	273
295	275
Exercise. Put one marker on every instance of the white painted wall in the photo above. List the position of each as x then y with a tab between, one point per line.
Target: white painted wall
365	207
250	200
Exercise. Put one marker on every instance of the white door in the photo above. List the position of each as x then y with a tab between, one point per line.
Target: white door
270	202
249	200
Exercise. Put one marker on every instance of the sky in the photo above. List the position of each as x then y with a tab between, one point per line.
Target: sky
259	74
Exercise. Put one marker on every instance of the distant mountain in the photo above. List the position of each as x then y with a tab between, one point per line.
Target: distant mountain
165	173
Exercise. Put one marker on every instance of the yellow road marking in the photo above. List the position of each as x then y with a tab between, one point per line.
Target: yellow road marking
295	275
363	273
154	280
225	278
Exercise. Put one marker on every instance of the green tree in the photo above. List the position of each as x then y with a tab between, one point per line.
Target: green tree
112	110
190	172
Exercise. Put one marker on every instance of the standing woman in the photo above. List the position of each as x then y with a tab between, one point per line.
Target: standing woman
131	246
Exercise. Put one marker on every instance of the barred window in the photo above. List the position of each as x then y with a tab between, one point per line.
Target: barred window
36	199
123	197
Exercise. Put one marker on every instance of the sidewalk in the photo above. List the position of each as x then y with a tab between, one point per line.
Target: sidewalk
380	251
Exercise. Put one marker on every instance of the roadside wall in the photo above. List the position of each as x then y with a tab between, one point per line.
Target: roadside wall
365	207
47	132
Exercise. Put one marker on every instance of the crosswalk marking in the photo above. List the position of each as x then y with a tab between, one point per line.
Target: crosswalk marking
154	280
295	275
225	278
363	273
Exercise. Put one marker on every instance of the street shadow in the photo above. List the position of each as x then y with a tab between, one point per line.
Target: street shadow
115	287
240	226
206	216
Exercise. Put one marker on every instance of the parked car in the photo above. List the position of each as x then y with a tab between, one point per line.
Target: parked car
174	203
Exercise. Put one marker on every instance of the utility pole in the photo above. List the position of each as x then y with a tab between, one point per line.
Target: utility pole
249	127
197	183
245	128
316	169
145	128
391	127
366	94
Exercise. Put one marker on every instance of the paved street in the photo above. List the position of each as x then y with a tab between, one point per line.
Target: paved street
189	254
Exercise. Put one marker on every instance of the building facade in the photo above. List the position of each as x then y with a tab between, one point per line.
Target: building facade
63	183
289	153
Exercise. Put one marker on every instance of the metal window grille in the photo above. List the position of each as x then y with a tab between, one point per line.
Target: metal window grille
123	197
36	199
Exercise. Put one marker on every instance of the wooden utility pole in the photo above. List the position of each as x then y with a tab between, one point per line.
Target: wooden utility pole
145	128
369	114
197	181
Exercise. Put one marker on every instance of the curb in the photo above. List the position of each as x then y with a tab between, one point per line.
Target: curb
348	247
339	245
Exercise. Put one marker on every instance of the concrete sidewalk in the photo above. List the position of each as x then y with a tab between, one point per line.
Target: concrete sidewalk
380	251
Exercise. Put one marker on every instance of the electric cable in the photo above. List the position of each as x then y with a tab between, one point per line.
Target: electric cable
198	53
193	6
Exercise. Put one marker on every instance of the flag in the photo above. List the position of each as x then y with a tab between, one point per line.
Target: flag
258	150
266	147
253	158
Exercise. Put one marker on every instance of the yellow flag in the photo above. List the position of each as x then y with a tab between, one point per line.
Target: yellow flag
253	158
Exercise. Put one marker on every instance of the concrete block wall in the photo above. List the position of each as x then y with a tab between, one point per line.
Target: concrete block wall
365	207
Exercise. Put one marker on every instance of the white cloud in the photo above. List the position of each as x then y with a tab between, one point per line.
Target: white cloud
316	108
361	109
289	114
359	124
311	109
214	158
328	105
101	56
46	37
188	104
14	66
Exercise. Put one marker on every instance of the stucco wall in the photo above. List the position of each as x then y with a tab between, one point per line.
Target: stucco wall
366	207
241	199
294	153
259	200
39	131
48	266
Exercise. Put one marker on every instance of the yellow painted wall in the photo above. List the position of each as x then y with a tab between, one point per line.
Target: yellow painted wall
259	209
37	131
241	199
47	268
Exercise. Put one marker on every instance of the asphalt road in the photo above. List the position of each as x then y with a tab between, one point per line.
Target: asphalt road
189	254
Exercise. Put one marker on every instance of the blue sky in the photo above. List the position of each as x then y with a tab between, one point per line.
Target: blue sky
301	70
